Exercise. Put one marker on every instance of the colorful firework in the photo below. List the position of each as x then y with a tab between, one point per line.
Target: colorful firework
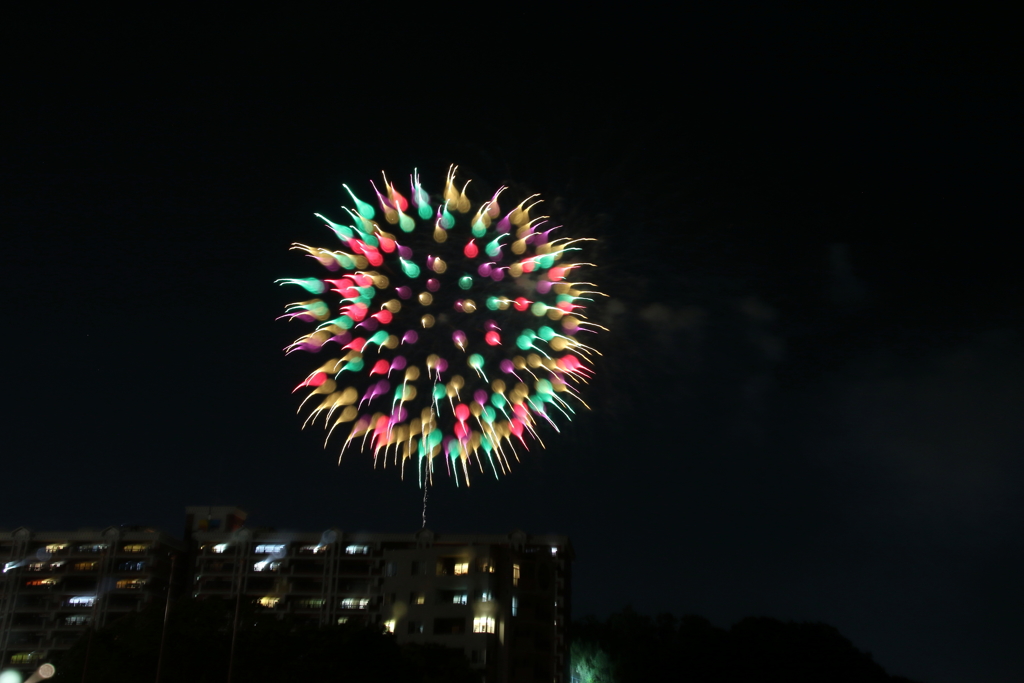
454	337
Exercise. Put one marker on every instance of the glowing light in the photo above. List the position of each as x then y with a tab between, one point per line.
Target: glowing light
456	327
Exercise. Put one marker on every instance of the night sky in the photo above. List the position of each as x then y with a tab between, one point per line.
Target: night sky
809	405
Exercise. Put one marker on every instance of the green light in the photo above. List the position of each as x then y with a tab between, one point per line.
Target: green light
546	261
498	401
406	223
465	282
344	322
493	303
539	308
544	387
524	342
489	414
409	268
546	333
494	246
362	207
344	230
439	392
479	229
476	361
447	220
379	338
424	210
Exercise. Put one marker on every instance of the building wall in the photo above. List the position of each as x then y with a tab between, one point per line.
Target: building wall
503	600
55	585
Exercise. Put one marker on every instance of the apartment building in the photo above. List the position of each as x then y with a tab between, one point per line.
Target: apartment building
54	585
503	599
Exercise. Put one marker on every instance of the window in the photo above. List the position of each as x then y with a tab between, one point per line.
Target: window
24	657
417	598
135	566
515	605
82	601
57	564
56	547
267	566
554	551
515	575
270	548
357	550
355	603
483	624
312	603
131	584
459	599
85	566
92	548
220	548
314	549
342	620
136	547
414	627
486	596
487	566
32	566
41	582
268	601
389	569
461	568
77	619
389	625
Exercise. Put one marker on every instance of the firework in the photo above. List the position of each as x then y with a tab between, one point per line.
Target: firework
454	329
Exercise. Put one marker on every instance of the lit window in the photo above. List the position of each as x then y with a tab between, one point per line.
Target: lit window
24	658
41	582
461	568
136	547
515	575
55	565
315	603
268	601
342	620
487	566
92	548
220	547
554	551
389	625
33	566
355	603
315	549
131	566
390	569
82	601
515	605
266	566
486	596
357	550
56	547
76	619
85	566
483	624
270	548
459	599
419	599
131	583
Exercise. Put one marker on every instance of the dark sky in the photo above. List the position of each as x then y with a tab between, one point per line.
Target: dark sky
809	405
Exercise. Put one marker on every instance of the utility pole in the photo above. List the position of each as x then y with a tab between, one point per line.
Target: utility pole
167	612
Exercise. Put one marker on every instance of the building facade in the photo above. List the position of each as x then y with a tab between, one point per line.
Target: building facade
503	600
55	585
